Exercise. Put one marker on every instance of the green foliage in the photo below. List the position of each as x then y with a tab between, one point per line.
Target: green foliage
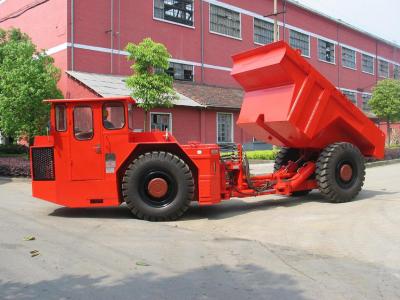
27	76
385	101
150	83
262	154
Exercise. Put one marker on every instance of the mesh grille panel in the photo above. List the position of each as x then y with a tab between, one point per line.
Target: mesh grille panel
43	163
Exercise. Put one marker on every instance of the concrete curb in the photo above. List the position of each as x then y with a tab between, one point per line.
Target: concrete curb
15	179
382	163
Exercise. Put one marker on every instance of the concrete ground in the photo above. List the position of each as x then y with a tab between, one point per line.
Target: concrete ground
265	248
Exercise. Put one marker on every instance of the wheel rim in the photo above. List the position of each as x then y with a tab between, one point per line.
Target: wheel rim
346	174
158	188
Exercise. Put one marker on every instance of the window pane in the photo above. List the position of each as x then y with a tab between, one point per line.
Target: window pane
383	68
396	72
367	64
300	41
83	123
113	115
161	122
348	58
61	118
365	100
181	71
130	115
326	51
351	96
224	21
179	11
224	125
263	32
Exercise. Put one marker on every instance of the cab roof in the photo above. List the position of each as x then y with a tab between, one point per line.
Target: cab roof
107	99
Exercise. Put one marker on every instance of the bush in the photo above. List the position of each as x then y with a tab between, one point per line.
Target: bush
262	154
13	149
14	167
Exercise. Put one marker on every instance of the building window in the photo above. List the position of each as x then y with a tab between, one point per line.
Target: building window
177	11
181	71
263	32
113	116
348	58
224	21
161	121
396	72
383	68
83	123
61	117
352	96
300	41
367	64
224	128
365	100
326	51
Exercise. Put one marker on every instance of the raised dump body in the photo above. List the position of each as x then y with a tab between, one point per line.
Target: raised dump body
289	103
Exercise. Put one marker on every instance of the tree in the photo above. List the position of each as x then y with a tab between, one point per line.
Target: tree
27	76
385	102
150	83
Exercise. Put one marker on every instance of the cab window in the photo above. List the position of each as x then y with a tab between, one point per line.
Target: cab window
130	116
61	117
83	123
113	115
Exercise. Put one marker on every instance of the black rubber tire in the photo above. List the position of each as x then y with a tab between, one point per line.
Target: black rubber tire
328	169
180	188
284	156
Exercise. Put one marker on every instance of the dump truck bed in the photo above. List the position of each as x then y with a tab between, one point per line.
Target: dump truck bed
289	103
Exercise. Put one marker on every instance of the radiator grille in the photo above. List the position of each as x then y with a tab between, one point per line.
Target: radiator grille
43	164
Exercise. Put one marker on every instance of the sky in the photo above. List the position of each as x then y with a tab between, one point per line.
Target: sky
379	17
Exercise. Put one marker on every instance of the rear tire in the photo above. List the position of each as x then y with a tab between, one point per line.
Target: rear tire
158	186
282	159
340	172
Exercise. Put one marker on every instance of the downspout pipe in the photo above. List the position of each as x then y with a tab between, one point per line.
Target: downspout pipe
72	33
112	36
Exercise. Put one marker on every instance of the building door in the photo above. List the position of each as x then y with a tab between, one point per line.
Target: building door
86	149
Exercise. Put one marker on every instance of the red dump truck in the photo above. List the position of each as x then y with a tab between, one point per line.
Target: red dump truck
93	158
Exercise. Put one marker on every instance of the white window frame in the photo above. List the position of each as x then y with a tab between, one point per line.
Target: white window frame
373	64
161	113
362	95
177	62
222	34
232	127
355	58
334	51
398	68
309	42
172	22
254	38
388	68
343	90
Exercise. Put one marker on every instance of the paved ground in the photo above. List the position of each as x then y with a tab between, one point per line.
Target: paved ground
253	249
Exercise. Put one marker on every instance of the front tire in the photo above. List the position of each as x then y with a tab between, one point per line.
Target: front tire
340	172
158	186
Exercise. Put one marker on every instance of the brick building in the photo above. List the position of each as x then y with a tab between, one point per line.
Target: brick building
87	40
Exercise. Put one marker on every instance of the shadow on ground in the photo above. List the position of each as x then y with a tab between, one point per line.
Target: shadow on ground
4	180
227	209
213	282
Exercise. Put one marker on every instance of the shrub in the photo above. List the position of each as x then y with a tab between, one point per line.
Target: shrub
14	167
13	149
262	154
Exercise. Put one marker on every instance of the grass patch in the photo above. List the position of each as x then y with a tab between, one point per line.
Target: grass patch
262	154
24	155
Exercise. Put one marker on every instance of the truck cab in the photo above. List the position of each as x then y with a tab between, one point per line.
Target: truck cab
91	145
